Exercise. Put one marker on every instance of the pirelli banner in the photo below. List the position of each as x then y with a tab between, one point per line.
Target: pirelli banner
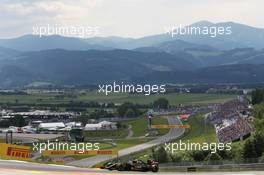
85	153
10	151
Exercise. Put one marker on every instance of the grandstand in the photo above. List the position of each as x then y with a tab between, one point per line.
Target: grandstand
231	120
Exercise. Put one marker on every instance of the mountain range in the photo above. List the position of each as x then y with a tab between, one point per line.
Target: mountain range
236	58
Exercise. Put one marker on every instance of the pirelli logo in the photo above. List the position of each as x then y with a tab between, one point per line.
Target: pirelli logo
15	151
18	152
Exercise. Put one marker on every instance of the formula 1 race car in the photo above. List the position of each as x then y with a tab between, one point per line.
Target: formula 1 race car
135	165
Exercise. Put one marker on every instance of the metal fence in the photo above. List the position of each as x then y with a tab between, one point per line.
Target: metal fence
222	162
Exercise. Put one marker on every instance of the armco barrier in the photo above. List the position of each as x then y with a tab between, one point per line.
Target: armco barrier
227	167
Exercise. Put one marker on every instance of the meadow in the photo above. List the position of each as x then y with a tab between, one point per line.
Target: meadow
174	98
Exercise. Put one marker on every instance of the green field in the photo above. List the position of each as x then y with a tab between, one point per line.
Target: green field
140	125
200	131
119	133
174	98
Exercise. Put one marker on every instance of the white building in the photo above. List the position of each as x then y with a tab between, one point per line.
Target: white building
51	126
108	125
104	125
92	127
74	124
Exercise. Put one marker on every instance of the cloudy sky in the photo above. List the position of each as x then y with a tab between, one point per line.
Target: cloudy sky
127	18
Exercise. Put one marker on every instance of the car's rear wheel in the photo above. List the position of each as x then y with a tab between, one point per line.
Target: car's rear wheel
121	167
155	169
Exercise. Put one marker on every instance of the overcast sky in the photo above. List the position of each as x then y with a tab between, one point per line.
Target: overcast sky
127	18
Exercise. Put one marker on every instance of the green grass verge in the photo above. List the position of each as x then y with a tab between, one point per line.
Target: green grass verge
140	125
111	134
200	131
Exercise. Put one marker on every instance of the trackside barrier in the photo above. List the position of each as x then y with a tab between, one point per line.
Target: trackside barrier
84	153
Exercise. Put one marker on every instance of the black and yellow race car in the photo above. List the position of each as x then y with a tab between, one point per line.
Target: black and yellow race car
134	165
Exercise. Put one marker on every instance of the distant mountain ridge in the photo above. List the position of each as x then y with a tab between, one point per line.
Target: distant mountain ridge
239	73
35	43
152	59
63	67
242	36
86	67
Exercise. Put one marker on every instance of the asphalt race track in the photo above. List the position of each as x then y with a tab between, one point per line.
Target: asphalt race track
171	135
25	168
